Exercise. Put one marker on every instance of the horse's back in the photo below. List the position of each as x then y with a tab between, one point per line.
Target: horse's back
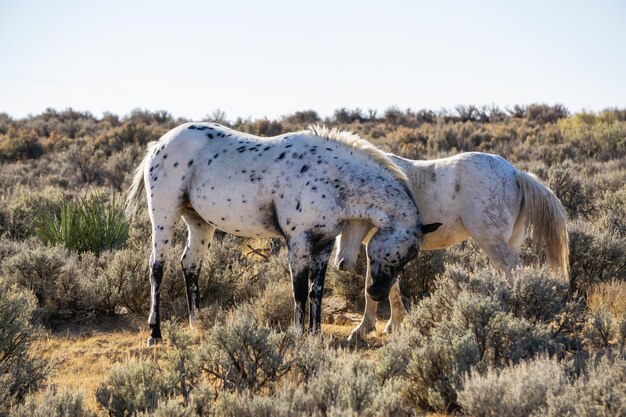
469	193
254	186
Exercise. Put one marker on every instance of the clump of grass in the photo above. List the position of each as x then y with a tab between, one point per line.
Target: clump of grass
93	223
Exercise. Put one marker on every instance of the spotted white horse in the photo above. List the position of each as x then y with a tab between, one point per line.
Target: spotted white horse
303	186
475	195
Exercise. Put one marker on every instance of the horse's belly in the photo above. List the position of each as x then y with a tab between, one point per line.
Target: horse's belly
242	213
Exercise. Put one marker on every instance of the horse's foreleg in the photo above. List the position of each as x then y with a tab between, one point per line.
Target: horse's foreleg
368	322
299	266
320	256
397	308
200	235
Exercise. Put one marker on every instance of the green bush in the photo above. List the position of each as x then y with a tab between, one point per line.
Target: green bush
93	223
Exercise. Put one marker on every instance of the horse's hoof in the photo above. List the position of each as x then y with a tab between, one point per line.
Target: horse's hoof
355	336
391	327
359	333
154	341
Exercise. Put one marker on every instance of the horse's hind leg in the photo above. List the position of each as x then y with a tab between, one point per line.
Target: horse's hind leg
163	223
397	308
368	322
501	256
200	235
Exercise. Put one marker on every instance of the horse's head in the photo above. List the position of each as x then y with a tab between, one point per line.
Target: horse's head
389	251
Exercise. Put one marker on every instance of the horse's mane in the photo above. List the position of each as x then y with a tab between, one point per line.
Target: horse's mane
353	140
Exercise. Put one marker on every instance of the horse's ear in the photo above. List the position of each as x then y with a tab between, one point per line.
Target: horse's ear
429	228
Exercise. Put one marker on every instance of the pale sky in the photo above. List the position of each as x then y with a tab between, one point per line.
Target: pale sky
270	58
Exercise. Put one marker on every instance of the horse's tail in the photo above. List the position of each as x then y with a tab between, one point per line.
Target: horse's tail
137	187
545	213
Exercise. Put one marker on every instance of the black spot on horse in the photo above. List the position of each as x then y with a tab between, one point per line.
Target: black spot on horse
210	135
190	163
289	146
165	156
304	169
175	164
266	148
241	149
281	156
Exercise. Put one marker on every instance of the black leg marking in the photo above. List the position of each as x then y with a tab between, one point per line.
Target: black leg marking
321	254
154	321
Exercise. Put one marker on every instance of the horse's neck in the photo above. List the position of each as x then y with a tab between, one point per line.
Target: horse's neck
415	170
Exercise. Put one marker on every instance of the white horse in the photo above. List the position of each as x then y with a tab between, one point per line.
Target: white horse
303	186
475	195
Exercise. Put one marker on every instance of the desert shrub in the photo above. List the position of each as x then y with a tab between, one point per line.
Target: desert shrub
43	271
543	113
348	386
19	144
600	391
600	329
348	284
471	322
302	118
595	255
418	276
26	207
310	355
120	166
246	404
20	371
614	207
262	127
93	223
133	386
54	403
182	362
122	281
516	391
172	375
274	307
235	277
241	354
576	195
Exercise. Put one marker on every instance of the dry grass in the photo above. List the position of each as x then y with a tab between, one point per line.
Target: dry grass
608	294
84	354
